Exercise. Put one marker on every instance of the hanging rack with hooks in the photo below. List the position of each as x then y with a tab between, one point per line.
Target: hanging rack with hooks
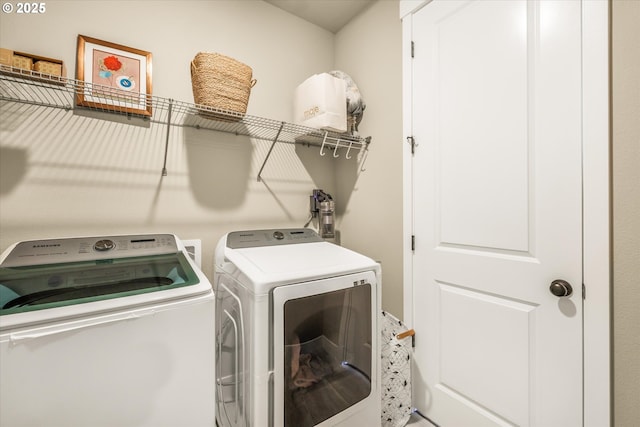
33	88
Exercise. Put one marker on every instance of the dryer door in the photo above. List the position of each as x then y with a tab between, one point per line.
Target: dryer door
325	363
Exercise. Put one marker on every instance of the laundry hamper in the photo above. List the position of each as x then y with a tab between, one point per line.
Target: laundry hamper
396	371
221	85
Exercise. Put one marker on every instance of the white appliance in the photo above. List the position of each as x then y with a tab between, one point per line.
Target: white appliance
297	335
105	331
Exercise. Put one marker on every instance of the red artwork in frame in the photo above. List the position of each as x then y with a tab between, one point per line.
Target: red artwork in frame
113	77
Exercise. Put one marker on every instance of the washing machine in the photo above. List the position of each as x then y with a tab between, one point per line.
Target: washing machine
105	331
297	322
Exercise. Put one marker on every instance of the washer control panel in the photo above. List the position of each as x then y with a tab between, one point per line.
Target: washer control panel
257	238
75	249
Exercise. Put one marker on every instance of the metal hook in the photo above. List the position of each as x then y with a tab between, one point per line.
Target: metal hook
347	156
364	159
335	150
324	141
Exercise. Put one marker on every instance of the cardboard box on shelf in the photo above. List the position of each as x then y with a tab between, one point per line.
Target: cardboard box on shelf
47	67
22	62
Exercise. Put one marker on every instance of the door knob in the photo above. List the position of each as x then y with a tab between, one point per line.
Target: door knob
561	288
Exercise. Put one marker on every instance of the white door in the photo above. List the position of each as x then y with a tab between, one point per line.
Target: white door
496	89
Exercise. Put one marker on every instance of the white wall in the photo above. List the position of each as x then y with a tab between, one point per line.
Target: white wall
65	174
369	48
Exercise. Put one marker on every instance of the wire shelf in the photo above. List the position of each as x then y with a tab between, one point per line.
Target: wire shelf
30	87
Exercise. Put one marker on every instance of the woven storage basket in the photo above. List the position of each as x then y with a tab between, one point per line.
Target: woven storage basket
221	82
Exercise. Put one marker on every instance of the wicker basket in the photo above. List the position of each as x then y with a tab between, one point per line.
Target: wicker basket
221	83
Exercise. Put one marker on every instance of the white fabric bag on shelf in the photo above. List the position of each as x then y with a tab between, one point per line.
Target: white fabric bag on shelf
320	102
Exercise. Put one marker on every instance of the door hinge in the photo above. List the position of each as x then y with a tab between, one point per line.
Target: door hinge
412	141
413	242
413	48
584	292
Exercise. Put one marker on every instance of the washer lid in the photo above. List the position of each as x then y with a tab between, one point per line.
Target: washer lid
54	273
41	287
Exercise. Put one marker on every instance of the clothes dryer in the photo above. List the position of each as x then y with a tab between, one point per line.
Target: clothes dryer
105	331
296	331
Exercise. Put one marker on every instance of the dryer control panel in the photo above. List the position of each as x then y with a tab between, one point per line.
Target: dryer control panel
75	249
272	237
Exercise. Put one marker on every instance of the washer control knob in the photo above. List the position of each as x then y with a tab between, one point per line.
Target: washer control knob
104	245
279	235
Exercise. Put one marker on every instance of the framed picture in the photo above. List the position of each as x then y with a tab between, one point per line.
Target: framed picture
113	77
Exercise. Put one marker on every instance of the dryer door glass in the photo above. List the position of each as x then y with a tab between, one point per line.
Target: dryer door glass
327	354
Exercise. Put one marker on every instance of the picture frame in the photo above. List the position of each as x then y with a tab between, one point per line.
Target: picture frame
113	77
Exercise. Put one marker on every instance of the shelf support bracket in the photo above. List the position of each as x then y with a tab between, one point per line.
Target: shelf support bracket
365	147
259	178
364	159
166	144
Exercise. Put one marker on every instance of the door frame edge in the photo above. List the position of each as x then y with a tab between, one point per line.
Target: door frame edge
596	214
407	174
